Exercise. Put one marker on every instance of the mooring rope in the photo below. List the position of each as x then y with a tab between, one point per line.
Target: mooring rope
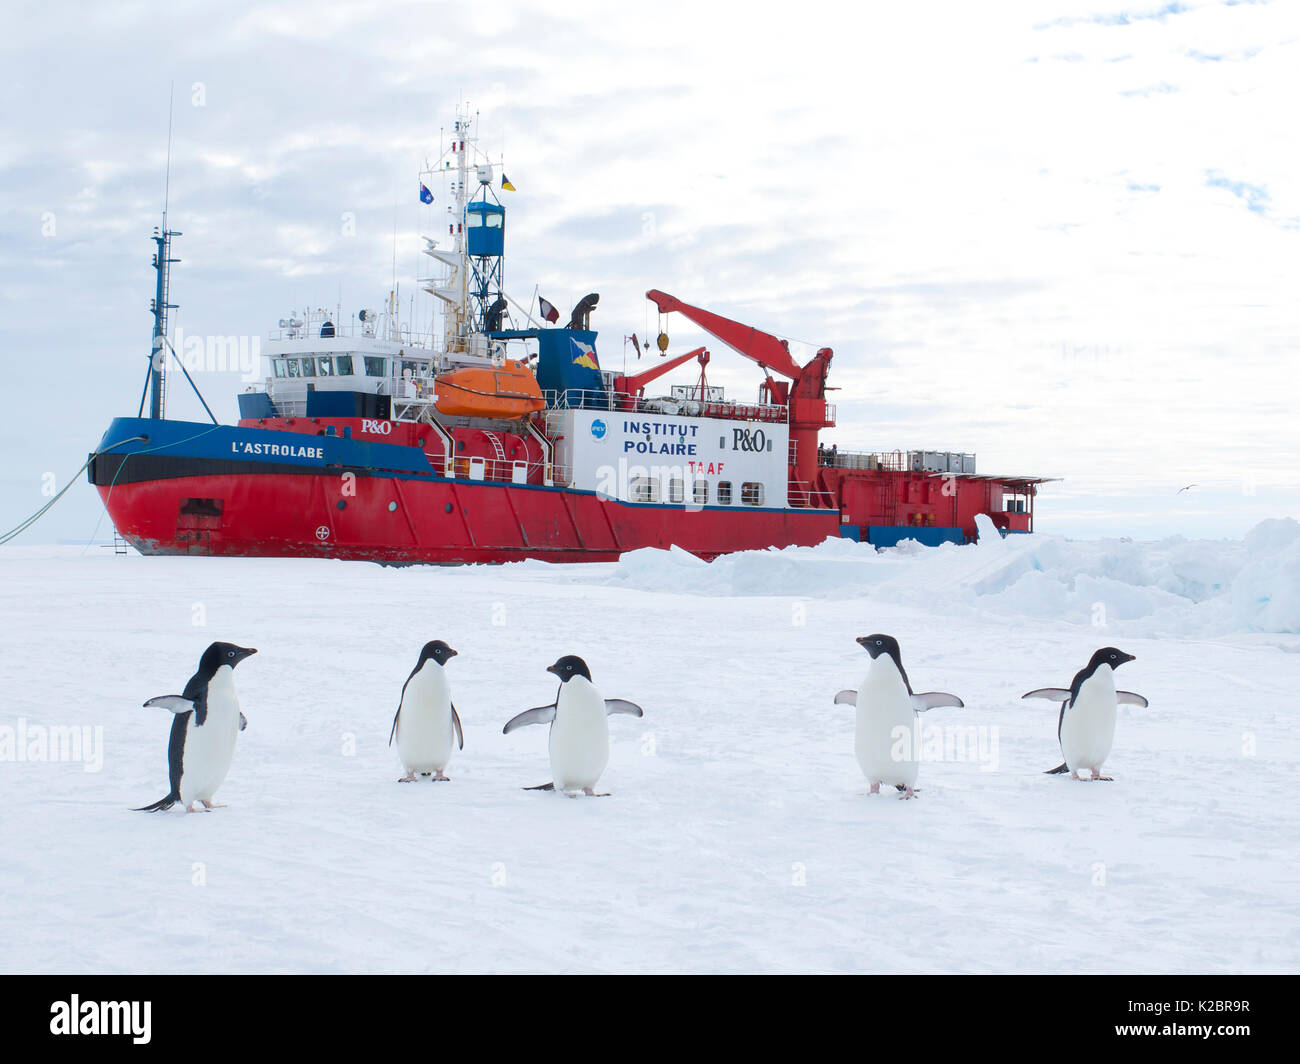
24	525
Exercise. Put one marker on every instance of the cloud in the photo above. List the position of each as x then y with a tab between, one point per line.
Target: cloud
1027	260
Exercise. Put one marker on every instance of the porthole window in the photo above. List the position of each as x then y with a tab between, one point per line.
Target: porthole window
701	492
676	490
751	493
724	493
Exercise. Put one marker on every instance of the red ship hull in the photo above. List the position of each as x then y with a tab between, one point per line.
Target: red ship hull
447	521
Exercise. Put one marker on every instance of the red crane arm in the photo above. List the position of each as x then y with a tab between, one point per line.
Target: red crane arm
633	384
761	347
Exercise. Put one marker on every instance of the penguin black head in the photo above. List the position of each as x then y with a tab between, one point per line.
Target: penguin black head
878	644
438	651
568	667
1109	656
219	654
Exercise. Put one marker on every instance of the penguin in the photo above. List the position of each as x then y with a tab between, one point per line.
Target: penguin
887	739
1086	726
579	742
426	717
206	723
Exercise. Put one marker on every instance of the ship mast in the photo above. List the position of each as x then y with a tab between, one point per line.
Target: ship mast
162	261
472	284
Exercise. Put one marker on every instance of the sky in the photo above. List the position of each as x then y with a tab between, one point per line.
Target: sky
1061	235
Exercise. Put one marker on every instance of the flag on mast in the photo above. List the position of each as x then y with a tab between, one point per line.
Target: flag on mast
547	311
505	182
425	195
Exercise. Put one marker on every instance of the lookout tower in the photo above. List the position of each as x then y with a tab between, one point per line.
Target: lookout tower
485	242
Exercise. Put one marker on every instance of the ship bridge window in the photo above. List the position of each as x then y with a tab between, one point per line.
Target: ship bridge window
375	366
277	366
291	367
325	366
645	489
309	367
724	493
701	492
343	365
411	369
751	493
495	221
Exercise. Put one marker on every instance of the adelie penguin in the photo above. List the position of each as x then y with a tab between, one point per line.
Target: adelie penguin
886	739
1086	726
579	742
427	726
204	729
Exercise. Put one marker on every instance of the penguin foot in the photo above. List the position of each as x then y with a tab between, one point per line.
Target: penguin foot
592	794
907	793
875	789
1097	777
1075	776
440	778
408	778
209	806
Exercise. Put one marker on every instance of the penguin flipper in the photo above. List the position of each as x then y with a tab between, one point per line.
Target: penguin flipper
455	720
1129	698
243	722
846	698
1054	694
621	705
537	715
176	703
393	733
933	699
1063	767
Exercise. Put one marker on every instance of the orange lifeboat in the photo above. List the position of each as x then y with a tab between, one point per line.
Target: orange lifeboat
508	392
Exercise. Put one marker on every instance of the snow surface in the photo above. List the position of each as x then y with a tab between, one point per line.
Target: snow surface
738	836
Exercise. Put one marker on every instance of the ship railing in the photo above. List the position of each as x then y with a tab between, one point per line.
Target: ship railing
887	461
498	470
812	499
617	402
355	330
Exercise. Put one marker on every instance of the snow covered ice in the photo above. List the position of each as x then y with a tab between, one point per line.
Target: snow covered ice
738	836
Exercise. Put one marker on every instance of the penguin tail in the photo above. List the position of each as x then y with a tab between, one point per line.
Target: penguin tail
163	803
1058	770
541	787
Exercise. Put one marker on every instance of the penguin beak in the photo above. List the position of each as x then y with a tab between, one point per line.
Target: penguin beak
246	652
552	669
452	653
866	645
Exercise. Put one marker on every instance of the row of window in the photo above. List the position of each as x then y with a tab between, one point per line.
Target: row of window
647	489
339	366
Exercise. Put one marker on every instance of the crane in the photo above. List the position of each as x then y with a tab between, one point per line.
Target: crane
804	396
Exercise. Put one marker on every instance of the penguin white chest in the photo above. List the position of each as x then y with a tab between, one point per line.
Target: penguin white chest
885	738
425	734
579	743
1088	727
210	746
